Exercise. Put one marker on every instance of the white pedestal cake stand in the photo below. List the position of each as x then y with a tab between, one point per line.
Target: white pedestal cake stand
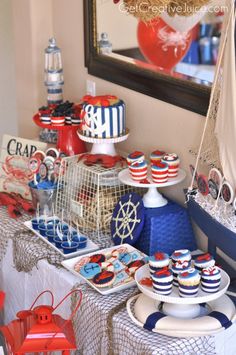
176	306
152	198
103	145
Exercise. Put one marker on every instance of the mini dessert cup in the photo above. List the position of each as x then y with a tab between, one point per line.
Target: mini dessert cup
134	157
69	247
35	223
158	261
156	156
162	281
181	256
173	162
68	120
210	279
138	171
64	227
51	234
159	172
58	241
203	261
179	267
58	120
42	229
189	282
45	119
81	240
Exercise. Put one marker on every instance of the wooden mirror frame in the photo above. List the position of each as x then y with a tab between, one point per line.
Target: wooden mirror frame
183	93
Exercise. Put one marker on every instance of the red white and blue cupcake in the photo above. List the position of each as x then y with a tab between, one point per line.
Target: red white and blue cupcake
162	281
203	261
181	255
159	172
210	279
173	162
189	282
156	156
135	157
158	261
179	267
138	171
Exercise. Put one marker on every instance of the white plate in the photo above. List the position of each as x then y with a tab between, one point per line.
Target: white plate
174	296
91	246
69	265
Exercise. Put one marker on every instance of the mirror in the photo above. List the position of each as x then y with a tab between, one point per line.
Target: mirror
114	53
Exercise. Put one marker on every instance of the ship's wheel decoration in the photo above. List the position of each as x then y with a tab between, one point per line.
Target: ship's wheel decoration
127	219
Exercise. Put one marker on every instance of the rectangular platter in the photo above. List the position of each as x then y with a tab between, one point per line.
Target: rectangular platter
91	246
69	265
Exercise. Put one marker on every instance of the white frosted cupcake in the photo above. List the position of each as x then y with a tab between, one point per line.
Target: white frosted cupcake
158	261
203	261
189	281
179	267
162	281
173	162
210	279
181	255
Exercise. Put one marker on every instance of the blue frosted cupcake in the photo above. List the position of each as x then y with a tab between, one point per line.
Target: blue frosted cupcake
203	261
189	282
162	281
158	261
210	279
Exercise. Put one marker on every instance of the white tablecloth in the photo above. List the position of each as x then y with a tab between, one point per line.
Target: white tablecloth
22	288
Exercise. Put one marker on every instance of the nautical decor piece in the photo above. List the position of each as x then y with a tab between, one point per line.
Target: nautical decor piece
161	45
39	330
53	73
127	219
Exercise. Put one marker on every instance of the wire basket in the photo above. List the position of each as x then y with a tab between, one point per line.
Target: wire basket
89	194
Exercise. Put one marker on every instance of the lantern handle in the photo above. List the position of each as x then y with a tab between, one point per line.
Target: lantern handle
42	293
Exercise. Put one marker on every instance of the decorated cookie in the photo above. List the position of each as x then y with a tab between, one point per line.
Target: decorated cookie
227	193
202	184
39	154
97	258
81	263
216	176
125	258
213	189
134	266
104	278
118	265
89	270
136	255
106	265
121	278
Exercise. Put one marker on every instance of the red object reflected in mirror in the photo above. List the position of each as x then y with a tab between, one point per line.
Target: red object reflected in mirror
161	45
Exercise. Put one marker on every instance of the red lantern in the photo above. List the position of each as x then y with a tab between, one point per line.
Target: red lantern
39	330
161	45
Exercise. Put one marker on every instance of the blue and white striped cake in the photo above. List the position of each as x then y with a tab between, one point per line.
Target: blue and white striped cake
210	279
104	121
162	281
189	281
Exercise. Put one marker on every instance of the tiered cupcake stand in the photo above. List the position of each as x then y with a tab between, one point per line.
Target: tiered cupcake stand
153	197
103	145
181	317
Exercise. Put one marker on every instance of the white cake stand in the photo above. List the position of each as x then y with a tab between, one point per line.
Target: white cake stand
176	306
152	198
103	145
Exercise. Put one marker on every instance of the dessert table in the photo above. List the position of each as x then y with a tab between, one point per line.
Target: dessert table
102	325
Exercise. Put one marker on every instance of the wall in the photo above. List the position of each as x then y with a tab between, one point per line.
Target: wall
7	72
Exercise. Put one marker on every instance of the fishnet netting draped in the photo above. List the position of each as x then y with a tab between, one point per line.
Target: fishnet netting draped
102	326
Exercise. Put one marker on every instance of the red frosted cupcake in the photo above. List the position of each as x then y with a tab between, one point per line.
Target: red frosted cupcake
138	170
159	172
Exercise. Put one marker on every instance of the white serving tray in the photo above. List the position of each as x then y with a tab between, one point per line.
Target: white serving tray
69	265
91	246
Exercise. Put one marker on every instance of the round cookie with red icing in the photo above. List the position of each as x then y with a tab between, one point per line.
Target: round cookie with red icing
134	266
97	258
104	278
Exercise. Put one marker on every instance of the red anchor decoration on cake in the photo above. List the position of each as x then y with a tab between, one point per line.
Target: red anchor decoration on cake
204	257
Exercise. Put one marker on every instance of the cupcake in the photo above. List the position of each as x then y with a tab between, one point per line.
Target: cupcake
162	281
172	160
189	281
138	171
203	261
156	156
179	267
46	118
159	172
158	261
134	157
210	279
58	120
181	256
